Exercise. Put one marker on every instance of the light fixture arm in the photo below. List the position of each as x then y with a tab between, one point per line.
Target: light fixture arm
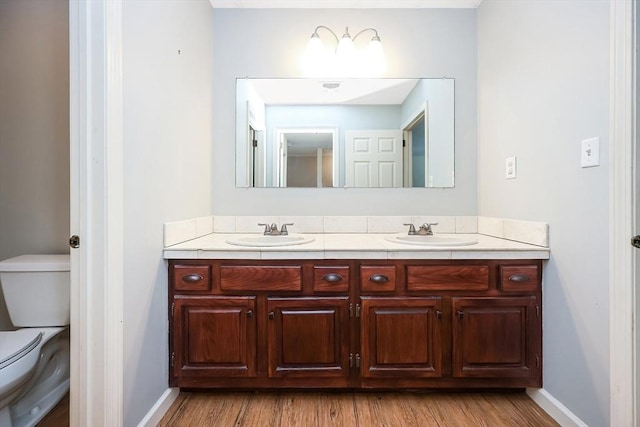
315	32
376	37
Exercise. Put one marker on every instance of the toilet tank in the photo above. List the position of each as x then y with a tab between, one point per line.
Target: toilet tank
36	289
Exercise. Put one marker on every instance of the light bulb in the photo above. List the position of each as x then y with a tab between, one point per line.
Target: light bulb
375	56
315	45
345	47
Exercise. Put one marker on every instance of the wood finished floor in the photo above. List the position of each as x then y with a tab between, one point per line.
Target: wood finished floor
59	415
320	409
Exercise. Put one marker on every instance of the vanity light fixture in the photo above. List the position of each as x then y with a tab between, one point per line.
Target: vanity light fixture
345	60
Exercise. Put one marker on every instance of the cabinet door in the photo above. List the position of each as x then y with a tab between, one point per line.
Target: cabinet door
496	337
308	337
214	336
401	337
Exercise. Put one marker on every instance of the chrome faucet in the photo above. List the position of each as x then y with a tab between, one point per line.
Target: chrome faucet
272	230
424	230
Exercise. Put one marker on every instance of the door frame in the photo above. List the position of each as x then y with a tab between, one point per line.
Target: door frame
281	168
623	391
96	340
96	213
407	135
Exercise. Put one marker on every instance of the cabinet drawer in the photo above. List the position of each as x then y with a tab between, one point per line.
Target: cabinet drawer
378	278
260	278
192	278
519	278
330	279
447	277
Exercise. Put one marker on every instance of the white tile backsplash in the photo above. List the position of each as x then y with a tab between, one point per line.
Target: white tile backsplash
466	224
490	226
387	224
535	233
345	224
224	224
181	231
204	225
303	224
249	224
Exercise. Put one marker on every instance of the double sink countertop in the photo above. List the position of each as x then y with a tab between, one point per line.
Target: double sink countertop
354	246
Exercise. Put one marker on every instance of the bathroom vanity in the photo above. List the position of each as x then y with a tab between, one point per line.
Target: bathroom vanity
382	319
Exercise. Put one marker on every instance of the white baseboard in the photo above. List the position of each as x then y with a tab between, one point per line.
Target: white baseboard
554	408
161	407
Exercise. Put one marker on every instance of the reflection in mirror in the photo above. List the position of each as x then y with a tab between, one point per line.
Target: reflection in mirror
345	133
305	157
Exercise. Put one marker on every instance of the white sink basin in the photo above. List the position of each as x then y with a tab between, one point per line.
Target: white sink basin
434	240
262	241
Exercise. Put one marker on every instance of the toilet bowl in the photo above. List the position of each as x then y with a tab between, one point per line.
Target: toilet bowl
34	360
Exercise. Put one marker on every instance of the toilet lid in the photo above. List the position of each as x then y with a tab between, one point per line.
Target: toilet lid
16	344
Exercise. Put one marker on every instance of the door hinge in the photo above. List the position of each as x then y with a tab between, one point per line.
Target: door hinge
255	143
173	356
635	241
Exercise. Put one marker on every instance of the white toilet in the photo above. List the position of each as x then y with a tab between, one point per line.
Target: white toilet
34	360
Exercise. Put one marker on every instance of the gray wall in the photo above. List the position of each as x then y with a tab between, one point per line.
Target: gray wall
34	129
167	68
266	43
543	86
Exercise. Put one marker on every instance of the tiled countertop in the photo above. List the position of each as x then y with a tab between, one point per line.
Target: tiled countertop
354	246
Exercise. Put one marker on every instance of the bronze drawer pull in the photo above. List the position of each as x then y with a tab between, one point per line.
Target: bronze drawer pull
332	278
519	278
379	278
192	278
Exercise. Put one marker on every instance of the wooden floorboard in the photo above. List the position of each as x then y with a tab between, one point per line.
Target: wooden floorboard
58	416
344	409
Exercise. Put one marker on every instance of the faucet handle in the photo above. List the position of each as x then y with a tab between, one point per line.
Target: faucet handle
284	230
266	227
412	229
427	227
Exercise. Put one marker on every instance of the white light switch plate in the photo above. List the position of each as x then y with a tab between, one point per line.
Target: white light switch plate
590	153
510	171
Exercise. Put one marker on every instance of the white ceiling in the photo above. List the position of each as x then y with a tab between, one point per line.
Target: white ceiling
347	92
345	4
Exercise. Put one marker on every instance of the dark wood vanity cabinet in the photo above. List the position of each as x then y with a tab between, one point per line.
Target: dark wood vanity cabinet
355	324
401	337
494	337
214	336
308	336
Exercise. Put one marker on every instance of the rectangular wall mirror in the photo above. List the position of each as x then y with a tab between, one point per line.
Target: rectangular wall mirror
345	133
